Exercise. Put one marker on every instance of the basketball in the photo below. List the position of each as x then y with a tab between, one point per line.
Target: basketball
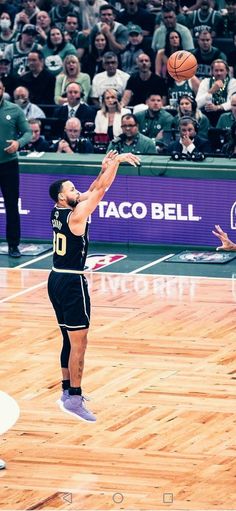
182	65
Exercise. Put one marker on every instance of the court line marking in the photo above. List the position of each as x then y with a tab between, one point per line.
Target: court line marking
4	268
32	261
150	264
24	291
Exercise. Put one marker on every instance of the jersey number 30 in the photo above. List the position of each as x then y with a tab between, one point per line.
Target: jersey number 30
59	243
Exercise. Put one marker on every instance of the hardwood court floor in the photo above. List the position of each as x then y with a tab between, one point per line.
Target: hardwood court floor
160	370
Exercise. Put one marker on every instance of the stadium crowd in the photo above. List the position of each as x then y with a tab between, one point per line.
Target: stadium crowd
89	74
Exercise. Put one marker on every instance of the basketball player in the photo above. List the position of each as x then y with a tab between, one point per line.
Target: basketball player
67	285
227	244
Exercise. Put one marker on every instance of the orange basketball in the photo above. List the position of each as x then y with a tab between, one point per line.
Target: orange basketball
182	65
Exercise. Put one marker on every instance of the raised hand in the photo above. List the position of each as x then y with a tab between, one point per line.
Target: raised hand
131	158
227	244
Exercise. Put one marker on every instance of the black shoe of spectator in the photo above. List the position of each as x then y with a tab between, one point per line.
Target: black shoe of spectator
13	251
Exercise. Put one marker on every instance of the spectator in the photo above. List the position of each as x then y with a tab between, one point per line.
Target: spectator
56	49
143	82
173	43
72	142
9	80
75	36
231	59
116	33
72	73
205	53
175	6
37	142
11	9
93	60
7	35
75	108
170	23
31	111
43	25
90	13
13	135
154	120
131	140
137	44
187	106
205	18
134	14
229	149
110	78
27	15
178	89
189	143
60	11
214	93
39	81
229	19
108	119
18	52
226	120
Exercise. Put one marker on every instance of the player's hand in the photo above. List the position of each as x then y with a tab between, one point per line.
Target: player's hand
12	147
110	156
131	158
227	244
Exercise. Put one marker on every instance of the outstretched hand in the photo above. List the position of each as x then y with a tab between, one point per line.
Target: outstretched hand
112	156
227	244
131	158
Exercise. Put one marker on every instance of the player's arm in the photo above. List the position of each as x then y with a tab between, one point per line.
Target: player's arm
227	244
110	165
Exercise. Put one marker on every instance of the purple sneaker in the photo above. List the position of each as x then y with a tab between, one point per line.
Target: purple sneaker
75	406
65	395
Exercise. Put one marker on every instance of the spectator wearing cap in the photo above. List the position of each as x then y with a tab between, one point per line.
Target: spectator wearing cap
137	44
7	34
115	32
17	52
111	78
136	15
142	83
9	80
31	111
27	15
39	81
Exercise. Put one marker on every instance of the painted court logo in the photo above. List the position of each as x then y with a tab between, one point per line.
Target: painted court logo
95	262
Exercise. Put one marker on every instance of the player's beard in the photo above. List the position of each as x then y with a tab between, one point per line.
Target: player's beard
72	203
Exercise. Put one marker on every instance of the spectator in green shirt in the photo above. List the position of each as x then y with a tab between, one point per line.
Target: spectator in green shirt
15	133
154	120
131	140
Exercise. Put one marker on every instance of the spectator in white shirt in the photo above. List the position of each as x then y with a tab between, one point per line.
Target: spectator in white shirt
110	78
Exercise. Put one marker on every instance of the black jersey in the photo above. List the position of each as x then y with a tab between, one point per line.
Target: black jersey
69	250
